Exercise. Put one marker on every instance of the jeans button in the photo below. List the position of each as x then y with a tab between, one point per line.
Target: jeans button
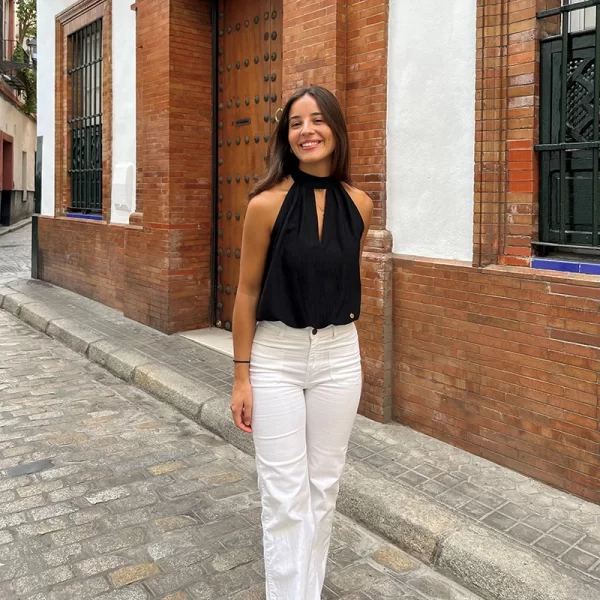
314	331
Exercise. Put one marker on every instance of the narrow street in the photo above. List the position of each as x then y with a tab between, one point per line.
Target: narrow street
15	250
105	492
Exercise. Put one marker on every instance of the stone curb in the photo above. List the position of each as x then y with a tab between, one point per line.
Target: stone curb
15	227
484	562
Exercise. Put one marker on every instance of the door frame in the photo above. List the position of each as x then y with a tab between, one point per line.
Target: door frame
214	20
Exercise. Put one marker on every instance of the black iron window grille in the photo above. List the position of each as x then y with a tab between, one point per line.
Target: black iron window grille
569	127
85	118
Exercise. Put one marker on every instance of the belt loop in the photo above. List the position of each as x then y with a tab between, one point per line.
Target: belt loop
334	331
281	333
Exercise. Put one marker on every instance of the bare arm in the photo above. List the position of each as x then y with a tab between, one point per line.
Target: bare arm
255	243
365	207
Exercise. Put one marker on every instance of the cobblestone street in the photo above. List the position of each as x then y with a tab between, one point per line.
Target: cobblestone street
107	493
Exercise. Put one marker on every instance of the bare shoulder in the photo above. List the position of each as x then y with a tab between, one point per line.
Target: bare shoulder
362	200
266	205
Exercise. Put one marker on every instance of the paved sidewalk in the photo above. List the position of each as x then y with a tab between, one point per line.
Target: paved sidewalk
503	535
5	229
108	493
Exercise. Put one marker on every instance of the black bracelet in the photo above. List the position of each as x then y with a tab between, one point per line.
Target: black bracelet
241	361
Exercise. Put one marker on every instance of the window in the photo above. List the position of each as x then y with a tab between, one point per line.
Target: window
85	118
569	127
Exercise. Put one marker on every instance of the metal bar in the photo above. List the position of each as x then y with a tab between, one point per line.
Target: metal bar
562	200
589	249
72	114
92	110
86	112
567	146
595	154
567	8
77	115
99	165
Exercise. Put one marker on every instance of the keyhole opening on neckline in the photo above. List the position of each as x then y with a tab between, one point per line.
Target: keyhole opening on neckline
320	208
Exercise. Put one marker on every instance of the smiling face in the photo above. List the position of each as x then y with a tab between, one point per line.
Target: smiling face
309	136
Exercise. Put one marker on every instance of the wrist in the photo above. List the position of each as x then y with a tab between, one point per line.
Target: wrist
241	372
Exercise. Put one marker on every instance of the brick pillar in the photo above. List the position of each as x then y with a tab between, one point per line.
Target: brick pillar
314	46
507	128
167	246
375	326
343	46
490	130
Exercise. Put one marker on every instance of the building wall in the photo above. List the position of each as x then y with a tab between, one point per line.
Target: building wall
150	254
431	128
46	85
123	161
500	360
489	354
23	131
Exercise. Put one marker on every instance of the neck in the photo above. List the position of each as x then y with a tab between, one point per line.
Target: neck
320	169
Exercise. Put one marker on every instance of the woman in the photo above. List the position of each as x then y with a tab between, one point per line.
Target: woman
298	376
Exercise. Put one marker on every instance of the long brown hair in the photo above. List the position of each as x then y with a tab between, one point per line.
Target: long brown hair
281	161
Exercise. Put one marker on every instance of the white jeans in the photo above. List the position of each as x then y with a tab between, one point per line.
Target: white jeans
306	387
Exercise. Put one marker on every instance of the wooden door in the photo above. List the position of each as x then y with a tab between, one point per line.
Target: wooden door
249	80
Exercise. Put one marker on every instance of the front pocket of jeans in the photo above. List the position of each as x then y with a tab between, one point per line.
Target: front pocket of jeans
344	365
266	365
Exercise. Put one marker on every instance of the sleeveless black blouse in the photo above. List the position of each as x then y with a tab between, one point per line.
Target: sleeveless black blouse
310	282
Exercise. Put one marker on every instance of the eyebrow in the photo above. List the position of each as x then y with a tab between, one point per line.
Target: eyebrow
315	114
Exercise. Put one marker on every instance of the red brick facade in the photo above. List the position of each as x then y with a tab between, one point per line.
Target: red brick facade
503	360
494	357
157	269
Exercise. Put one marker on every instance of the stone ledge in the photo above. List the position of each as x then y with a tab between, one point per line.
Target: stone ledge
72	334
39	316
120	361
183	394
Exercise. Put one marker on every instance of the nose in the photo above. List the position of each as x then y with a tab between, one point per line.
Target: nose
307	127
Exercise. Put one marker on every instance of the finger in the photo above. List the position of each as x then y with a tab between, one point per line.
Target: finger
246	424
236	413
248	415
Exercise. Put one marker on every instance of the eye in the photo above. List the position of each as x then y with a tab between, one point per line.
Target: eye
318	120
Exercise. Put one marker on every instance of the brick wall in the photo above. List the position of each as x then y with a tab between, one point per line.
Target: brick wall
343	46
507	125
157	269
167	258
503	362
165	251
86	258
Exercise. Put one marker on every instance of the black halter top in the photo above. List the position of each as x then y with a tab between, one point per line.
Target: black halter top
312	282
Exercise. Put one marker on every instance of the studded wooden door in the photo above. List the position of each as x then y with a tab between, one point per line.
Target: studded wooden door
249	95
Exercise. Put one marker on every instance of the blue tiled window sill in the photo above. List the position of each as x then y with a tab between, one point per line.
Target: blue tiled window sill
85	216
567	266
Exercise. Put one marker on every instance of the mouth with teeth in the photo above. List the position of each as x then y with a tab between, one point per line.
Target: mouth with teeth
310	145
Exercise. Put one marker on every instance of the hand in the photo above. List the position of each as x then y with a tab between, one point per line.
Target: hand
241	405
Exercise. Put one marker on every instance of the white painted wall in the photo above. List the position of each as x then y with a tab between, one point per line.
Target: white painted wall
124	112
124	109
47	10
431	127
